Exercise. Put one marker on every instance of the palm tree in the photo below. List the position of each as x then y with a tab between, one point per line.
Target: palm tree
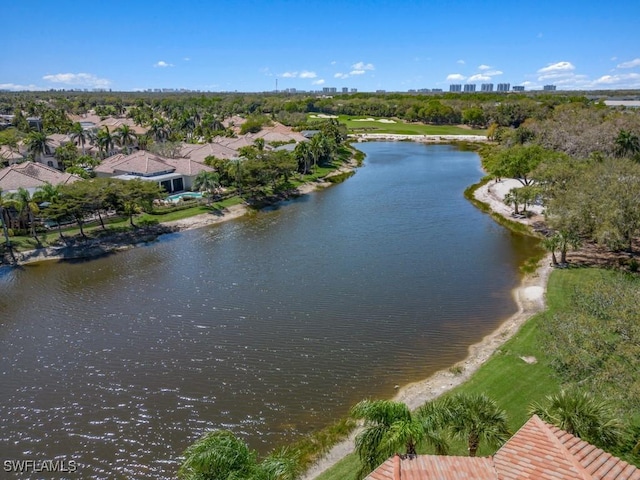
477	418
627	144
581	414
159	129
551	244
125	137
27	206
207	182
217	455
38	144
302	152
4	203
80	136
105	141
390	426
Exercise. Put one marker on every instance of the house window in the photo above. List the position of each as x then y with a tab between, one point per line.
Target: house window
49	163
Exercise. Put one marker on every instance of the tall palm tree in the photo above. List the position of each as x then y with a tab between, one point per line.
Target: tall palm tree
581	414
5	202
302	152
476	418
105	140
207	182
390	427
125	137
80	136
38	144
159	129
27	207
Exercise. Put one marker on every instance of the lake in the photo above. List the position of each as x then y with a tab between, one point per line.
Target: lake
272	325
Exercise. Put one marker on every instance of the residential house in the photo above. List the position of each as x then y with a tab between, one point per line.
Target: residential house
31	176
538	451
173	174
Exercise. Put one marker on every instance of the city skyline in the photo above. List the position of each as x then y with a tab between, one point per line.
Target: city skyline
367	46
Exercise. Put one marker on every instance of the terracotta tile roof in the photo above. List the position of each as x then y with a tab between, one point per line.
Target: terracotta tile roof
538	451
32	175
144	163
434	467
198	153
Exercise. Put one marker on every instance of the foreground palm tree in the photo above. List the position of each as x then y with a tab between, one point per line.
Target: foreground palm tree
390	427
220	455
5	202
27	207
476	418
581	414
80	136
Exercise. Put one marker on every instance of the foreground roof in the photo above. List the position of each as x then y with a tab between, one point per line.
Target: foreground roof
538	451
30	175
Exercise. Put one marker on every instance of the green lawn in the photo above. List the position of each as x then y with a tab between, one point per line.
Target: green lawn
402	128
506	377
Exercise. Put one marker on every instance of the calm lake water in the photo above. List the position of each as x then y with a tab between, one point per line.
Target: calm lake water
271	326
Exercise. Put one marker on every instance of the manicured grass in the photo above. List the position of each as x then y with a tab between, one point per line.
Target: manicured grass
402	128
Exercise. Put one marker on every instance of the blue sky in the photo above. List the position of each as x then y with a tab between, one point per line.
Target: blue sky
368	45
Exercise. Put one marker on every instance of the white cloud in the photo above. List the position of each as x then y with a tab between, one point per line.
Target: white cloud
456	76
625	80
320	81
493	73
303	74
630	64
186	59
484	67
461	62
479	77
357	72
557	67
18	88
162	64
341	75
334	62
362	66
78	79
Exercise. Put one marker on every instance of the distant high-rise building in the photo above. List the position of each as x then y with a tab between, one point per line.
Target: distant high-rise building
486	87
424	90
329	90
470	87
455	87
436	90
549	88
518	88
345	90
354	90
504	87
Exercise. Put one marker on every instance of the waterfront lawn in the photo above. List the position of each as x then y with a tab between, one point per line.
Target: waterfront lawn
356	125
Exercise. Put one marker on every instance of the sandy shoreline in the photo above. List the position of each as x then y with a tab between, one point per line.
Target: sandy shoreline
530	300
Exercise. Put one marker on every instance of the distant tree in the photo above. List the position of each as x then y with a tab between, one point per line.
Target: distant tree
518	162
38	144
105	141
27	207
125	137
208	183
80	136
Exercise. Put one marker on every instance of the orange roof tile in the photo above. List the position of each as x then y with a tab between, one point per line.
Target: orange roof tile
538	451
31	175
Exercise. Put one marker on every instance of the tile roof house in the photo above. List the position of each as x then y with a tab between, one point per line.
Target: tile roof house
173	174
30	176
538	451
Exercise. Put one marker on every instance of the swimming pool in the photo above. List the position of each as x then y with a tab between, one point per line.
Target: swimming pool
186	195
